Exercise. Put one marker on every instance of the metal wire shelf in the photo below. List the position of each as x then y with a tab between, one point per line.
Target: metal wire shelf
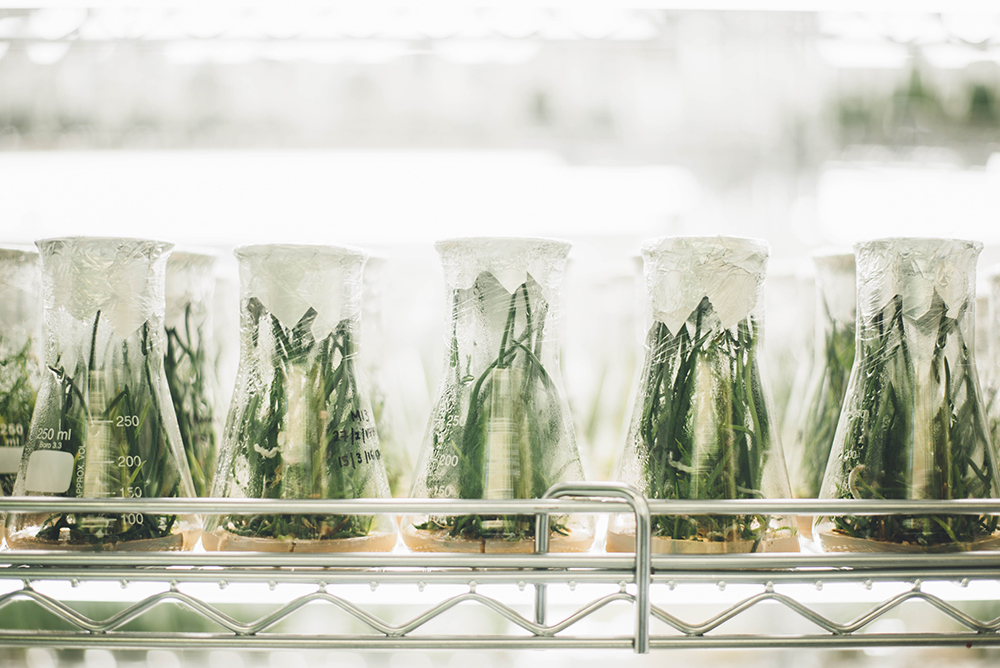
585	588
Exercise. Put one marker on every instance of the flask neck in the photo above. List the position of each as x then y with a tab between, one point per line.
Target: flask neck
682	272
920	276
122	279
494	328
317	287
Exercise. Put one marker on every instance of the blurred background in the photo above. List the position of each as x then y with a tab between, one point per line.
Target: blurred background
391	126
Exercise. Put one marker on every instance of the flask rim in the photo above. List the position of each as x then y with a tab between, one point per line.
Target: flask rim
250	251
476	242
917	243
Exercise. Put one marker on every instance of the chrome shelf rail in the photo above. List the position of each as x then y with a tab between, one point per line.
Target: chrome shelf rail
587	590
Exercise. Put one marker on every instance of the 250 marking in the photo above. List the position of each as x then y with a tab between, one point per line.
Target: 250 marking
127	421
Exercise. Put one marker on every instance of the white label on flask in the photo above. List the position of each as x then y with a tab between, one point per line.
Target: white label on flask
10	459
49	471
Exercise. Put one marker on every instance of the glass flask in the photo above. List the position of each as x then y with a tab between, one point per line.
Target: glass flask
300	425
501	427
20	332
702	423
912	426
103	425
188	361
833	355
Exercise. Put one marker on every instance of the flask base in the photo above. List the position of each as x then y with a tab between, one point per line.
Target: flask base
221	540
625	542
64	533
578	539
835	541
173	543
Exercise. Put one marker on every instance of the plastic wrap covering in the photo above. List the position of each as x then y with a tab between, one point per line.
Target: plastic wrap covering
189	361
912	426
103	425
501	427
832	359
300	425
20	332
701	427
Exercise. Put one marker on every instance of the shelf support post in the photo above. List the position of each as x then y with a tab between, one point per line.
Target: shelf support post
643	544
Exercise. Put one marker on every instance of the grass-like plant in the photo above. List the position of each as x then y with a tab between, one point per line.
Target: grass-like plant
498	433
824	400
187	365
304	432
18	377
912	428
703	431
106	413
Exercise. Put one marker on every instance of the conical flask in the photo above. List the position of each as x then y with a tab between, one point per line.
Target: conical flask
20	333
189	363
913	425
103	425
702	427
833	357
501	427
300	424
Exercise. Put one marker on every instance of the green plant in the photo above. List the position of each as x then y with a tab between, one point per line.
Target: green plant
304	433
501	443
914	428
18	376
823	403
113	427
704	427
186	366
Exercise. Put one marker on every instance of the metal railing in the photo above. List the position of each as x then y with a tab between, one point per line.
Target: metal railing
613	578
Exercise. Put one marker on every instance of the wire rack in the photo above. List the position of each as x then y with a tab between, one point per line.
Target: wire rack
635	601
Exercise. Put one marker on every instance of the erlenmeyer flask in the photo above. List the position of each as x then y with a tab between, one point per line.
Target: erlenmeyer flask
103	425
300	425
501	428
20	331
912	426
189	363
702	427
832	359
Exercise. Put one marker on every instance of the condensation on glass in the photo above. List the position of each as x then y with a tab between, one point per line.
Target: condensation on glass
103	426
912	425
501	427
702	426
301	424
